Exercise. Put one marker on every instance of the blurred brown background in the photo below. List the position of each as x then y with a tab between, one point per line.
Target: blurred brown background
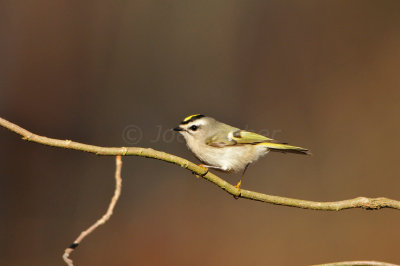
322	75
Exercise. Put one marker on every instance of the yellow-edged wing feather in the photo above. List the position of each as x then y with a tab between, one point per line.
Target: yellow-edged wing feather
247	137
230	137
285	148
241	137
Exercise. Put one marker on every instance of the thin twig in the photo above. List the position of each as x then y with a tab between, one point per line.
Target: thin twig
360	202
102	220
357	263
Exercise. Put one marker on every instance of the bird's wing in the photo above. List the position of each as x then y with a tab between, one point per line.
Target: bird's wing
247	137
236	138
243	137
220	140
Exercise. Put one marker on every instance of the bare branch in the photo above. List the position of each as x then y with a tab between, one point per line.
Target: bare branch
360	202
102	220
357	263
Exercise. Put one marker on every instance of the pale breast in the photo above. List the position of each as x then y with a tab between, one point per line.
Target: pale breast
229	158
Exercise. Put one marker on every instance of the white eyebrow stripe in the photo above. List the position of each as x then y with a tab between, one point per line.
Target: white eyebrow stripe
198	122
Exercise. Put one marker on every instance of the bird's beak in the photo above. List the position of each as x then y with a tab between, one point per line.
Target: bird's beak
178	129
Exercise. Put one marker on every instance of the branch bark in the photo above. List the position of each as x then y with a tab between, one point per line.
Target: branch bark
358	263
359	202
104	218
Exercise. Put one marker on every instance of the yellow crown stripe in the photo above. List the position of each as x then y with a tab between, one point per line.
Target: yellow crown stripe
190	117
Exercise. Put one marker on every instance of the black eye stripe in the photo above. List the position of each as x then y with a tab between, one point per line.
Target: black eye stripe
193	128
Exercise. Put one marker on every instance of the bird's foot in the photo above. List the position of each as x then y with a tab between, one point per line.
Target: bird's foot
238	187
205	168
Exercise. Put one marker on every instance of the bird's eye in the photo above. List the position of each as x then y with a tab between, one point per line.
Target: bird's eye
193	128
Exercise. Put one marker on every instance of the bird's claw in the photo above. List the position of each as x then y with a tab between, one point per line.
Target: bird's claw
205	168
238	185
238	188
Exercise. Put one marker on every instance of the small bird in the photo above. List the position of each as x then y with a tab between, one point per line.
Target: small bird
226	148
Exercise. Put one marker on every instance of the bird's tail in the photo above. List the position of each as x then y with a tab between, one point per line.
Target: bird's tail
280	147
